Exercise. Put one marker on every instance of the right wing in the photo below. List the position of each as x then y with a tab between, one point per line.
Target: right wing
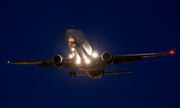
121	59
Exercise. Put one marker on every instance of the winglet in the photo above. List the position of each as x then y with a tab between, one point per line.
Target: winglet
172	52
8	59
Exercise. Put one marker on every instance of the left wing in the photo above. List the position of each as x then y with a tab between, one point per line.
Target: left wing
107	73
44	63
32	62
121	59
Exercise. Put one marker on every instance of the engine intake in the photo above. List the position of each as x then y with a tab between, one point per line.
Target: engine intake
57	61
107	57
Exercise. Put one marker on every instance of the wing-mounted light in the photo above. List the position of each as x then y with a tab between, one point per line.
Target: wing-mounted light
94	54
57	61
172	52
107	57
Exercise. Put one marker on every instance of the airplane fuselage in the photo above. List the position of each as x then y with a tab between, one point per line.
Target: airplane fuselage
82	52
84	58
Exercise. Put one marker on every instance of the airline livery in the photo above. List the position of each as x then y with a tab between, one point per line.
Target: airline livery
83	57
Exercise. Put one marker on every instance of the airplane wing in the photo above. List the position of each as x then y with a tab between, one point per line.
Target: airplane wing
121	59
44	63
31	62
66	60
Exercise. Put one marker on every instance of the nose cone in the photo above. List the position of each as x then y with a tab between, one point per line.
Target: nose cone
69	35
73	34
71	31
68	31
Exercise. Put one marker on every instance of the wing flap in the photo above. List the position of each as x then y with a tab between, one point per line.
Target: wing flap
121	59
143	55
32	62
117	72
81	74
45	63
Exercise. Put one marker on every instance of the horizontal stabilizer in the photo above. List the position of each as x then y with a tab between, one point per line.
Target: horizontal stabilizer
81	74
117	72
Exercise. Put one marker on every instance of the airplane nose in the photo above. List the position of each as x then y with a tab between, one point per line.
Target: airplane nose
74	34
68	31
70	35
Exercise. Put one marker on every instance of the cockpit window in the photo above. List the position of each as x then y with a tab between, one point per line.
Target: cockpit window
73	28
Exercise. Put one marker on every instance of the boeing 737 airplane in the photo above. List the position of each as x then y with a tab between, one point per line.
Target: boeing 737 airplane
83	57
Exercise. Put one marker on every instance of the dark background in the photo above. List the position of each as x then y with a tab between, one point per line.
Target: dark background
35	30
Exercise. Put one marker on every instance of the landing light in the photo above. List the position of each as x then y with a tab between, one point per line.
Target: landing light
70	56
94	54
72	49
85	57
87	60
78	61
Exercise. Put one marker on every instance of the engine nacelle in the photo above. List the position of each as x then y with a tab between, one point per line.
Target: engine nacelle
107	57
57	61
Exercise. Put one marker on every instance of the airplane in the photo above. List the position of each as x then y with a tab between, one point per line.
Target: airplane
83	58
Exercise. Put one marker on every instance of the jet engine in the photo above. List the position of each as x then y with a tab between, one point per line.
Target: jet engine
107	57
57	61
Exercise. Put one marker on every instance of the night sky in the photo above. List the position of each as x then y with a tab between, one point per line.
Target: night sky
32	31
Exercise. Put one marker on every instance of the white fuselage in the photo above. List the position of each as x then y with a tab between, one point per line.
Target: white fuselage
81	51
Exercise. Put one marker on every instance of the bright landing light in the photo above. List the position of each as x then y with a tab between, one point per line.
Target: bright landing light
70	56
72	49
78	61
87	60
94	54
